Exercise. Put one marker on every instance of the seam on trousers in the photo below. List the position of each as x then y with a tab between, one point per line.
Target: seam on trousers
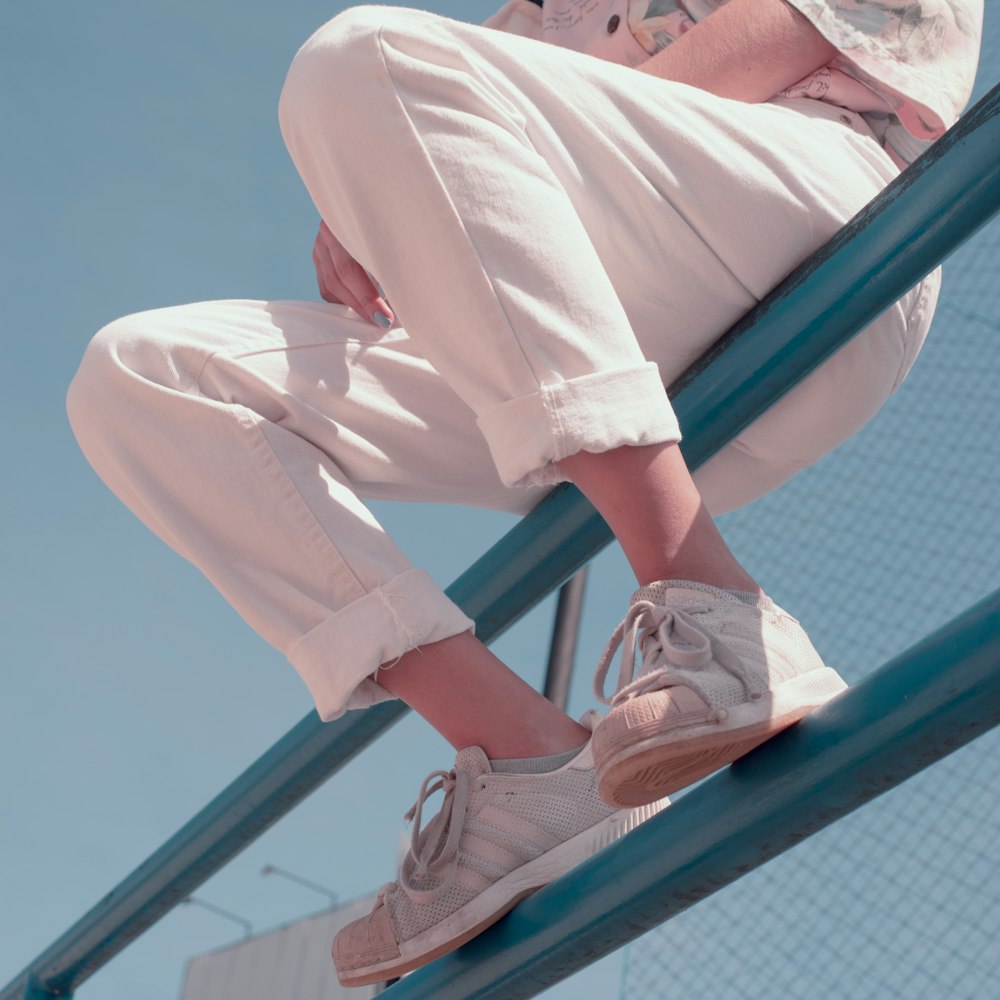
394	606
559	437
393	336
209	356
447	195
291	348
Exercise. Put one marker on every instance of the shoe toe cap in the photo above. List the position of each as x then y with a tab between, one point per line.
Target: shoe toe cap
365	942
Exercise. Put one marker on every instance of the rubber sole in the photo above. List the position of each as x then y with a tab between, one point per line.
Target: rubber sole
499	899
648	762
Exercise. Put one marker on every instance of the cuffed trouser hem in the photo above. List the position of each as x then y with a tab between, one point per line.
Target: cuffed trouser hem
338	659
595	412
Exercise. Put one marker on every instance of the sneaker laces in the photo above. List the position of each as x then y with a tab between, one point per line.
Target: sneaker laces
433	853
669	638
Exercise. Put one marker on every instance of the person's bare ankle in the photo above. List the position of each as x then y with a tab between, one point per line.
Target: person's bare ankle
569	736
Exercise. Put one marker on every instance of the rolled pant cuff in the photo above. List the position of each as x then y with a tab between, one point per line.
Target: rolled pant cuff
595	412
338	659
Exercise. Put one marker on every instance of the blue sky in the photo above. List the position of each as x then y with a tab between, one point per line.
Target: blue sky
143	167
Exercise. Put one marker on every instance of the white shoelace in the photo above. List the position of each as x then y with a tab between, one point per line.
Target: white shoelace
433	853
668	638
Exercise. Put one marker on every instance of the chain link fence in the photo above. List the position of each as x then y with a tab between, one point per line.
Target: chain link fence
873	548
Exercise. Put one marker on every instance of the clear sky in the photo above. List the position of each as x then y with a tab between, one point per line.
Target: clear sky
143	166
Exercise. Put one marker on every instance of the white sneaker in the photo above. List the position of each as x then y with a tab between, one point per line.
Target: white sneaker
497	838
720	674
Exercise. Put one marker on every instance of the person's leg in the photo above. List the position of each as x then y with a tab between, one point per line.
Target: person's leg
559	211
584	220
452	202
474	699
653	506
723	668
651	503
242	432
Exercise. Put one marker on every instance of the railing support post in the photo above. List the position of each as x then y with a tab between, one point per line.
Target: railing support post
565	632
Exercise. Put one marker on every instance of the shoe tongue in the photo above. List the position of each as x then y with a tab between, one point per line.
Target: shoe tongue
655	592
473	761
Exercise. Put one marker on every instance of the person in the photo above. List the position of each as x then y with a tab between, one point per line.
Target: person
528	228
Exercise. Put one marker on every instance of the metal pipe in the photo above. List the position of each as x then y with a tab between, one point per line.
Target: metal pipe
919	219
924	704
33	991
565	632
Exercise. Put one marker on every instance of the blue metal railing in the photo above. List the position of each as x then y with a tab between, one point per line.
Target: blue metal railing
917	221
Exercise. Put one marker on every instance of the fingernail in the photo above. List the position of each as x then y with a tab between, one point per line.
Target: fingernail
383	321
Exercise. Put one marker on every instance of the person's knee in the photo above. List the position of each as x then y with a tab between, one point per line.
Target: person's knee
124	360
93	389
330	71
340	75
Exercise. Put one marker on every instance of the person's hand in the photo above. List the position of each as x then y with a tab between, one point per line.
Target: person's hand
342	279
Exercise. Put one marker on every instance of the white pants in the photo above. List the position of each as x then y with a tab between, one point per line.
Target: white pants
558	237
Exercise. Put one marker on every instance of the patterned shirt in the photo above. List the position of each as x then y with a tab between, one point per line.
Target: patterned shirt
906	66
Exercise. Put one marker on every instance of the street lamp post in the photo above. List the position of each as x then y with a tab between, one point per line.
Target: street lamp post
308	883
218	911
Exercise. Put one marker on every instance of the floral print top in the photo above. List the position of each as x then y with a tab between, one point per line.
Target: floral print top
906	66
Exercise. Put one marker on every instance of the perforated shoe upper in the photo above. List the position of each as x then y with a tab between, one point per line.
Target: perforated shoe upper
489	825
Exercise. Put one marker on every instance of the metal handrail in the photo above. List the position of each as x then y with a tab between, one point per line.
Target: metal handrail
918	220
